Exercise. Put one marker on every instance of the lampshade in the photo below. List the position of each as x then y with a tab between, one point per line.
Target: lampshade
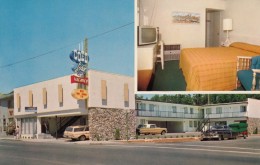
227	24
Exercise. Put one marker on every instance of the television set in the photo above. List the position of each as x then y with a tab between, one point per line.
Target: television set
147	35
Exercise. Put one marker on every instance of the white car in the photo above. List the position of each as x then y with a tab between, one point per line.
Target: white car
77	132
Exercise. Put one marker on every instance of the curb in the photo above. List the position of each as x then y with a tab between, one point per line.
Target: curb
163	140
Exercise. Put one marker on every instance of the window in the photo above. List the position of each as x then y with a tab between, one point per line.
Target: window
80	129
191	110
195	124
30	99
60	94
126	95
104	92
174	109
208	110
151	107
143	106
185	110
190	123
219	110
18	101
44	97
243	108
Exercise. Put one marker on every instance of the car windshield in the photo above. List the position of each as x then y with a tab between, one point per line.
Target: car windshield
140	126
217	127
69	129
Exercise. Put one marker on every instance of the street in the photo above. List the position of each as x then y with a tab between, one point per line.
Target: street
237	152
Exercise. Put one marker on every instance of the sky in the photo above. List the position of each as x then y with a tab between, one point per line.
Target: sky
37	36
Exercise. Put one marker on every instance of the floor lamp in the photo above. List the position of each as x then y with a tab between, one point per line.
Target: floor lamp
227	26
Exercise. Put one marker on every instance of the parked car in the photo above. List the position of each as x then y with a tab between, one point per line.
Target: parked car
219	133
77	132
150	129
240	128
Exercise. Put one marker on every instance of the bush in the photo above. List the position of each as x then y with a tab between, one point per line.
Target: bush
97	137
117	134
255	131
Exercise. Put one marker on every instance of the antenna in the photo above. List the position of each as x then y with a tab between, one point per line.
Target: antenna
86	45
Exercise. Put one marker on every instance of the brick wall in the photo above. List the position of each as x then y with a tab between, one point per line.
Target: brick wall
253	123
103	123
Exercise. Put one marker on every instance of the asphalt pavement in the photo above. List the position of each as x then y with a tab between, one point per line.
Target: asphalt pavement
226	152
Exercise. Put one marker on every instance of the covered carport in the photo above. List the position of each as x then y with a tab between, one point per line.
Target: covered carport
172	126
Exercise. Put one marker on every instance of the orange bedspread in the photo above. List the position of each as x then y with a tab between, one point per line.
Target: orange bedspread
213	69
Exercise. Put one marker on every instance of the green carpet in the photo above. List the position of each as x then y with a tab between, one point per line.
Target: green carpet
169	79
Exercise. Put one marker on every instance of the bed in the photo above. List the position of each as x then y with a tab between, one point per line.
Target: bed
213	69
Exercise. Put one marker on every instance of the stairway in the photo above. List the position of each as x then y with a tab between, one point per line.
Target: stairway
64	123
203	123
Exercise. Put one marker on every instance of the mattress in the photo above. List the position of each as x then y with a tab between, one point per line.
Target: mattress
213	69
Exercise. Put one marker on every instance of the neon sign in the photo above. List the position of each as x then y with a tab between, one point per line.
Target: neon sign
80	69
79	56
75	79
80	94
81	59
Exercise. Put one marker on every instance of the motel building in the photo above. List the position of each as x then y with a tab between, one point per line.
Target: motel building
6	111
46	109
178	118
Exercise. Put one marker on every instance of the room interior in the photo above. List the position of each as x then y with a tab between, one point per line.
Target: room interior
215	26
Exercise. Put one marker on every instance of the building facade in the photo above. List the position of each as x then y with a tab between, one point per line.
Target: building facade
6	111
189	118
46	108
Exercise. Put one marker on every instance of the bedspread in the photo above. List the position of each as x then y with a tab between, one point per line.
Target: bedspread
211	69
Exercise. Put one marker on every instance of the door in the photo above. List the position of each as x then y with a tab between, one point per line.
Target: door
212	28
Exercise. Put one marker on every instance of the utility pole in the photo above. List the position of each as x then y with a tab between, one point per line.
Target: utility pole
86	74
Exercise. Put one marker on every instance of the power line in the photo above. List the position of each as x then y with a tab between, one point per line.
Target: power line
54	50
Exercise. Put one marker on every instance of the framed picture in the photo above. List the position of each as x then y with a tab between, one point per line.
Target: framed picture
186	17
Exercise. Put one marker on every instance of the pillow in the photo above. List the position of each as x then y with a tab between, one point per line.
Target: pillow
255	62
245	46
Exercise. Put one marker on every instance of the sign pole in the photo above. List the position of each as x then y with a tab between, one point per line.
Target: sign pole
86	74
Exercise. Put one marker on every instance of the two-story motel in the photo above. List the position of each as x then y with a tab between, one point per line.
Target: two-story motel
188	118
47	108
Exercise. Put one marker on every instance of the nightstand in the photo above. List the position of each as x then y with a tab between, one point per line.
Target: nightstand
172	52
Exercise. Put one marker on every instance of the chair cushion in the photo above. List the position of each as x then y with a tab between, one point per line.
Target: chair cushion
255	62
246	77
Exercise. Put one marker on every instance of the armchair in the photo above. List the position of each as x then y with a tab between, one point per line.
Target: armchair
248	72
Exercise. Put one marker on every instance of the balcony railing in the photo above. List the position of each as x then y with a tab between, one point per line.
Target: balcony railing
227	114
169	114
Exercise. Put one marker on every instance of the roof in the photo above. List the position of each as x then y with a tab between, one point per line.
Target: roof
6	96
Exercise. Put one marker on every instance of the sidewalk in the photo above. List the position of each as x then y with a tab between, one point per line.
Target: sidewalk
87	142
170	138
59	140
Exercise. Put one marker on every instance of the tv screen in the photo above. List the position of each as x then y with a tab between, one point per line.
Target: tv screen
147	35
